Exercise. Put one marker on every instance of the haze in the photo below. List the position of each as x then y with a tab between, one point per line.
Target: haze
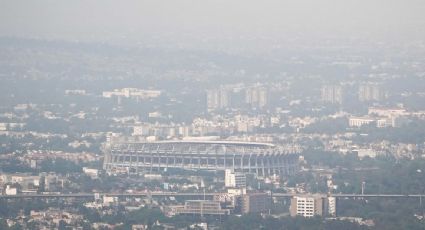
212	114
141	20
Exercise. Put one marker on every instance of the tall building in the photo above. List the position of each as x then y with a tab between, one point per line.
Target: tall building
331	206
255	203
217	99
256	97
371	92
331	94
234	179
309	206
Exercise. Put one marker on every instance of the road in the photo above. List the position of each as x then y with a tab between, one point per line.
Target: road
196	194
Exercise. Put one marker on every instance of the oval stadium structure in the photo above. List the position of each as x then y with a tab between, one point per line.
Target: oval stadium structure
261	158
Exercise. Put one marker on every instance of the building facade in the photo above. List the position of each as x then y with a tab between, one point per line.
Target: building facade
200	207
217	99
331	94
255	203
370	92
234	179
246	157
310	206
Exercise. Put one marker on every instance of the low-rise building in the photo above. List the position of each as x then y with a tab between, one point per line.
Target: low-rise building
200	207
10	190
360	121
93	173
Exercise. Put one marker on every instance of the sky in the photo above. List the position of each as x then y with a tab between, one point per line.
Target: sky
139	19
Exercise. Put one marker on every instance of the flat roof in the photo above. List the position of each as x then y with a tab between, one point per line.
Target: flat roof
258	144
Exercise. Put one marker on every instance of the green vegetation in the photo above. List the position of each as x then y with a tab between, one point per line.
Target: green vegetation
413	132
149	217
298	223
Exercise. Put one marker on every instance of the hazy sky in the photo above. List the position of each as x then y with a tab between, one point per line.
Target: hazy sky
107	19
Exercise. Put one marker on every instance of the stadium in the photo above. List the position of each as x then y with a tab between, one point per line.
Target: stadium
261	158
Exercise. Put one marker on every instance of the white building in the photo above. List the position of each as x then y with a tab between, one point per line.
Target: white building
217	99
256	97
132	93
383	122
10	190
360	121
331	94
387	112
141	130
331	206
93	173
305	206
312	205
380	122
3	126
361	153
234	179
371	92
108	200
